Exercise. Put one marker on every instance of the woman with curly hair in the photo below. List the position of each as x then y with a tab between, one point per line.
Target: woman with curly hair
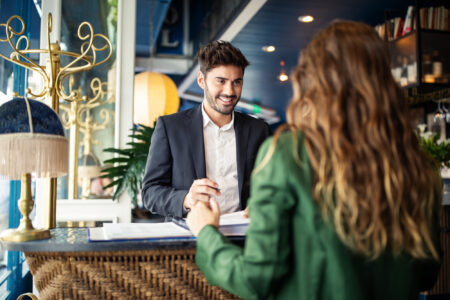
344	205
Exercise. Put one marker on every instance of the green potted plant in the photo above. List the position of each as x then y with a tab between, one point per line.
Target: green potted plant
438	149
127	168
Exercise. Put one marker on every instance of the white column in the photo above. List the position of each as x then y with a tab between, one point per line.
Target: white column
126	51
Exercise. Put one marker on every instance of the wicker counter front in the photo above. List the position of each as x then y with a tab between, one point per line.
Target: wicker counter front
145	274
67	266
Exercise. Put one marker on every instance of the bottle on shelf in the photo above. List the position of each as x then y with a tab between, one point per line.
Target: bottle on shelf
397	69
404	72
427	69
412	69
437	67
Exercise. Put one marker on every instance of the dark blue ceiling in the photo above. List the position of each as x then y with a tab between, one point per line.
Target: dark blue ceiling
149	13
276	24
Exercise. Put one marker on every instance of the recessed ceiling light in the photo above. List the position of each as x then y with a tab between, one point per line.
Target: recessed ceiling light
283	77
305	19
269	48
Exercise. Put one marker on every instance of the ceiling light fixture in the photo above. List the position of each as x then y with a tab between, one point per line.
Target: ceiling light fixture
155	94
283	76
269	48
305	19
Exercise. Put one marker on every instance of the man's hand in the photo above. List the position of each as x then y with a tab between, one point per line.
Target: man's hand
201	190
203	214
246	212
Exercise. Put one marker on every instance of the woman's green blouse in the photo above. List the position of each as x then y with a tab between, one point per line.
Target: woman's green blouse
292	253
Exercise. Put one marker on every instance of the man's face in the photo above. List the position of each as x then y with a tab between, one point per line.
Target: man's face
222	86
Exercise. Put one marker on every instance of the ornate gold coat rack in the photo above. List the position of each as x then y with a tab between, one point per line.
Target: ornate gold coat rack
77	117
53	75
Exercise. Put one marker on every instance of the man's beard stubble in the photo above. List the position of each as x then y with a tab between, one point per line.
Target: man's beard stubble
214	104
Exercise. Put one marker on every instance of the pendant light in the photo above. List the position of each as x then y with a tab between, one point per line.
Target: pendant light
155	94
282	76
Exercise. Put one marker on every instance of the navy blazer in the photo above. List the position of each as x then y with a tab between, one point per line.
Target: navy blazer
177	158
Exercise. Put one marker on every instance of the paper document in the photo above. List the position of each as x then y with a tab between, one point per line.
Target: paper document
130	231
233	230
144	230
96	234
236	218
233	224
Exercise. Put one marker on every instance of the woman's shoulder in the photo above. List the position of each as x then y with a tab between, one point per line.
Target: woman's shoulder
287	142
284	149
285	139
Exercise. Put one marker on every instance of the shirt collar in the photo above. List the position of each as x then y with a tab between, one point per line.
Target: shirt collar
207	120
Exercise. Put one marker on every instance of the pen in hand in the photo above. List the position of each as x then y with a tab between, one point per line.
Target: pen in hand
200	190
180	222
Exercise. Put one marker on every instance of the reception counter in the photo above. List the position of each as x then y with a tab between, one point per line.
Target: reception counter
68	266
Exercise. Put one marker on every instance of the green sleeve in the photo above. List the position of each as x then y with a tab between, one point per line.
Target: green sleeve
256	271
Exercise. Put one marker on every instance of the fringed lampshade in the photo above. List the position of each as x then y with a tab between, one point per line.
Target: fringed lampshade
31	141
88	167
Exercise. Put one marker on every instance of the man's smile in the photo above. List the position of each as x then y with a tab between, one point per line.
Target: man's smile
227	100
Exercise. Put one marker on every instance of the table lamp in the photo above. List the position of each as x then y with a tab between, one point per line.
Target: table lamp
89	167
32	140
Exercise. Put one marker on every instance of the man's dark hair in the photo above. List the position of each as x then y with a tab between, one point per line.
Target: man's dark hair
220	53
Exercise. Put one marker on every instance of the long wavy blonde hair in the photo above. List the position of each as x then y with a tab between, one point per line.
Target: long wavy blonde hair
371	178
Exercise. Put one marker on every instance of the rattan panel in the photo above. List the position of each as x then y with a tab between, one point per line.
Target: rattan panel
147	274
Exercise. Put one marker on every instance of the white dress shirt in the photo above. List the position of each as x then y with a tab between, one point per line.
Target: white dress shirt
221	161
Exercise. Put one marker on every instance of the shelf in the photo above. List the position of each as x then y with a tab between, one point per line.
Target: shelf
426	87
420	60
434	86
421	57
427	94
435	31
402	37
422	31
410	86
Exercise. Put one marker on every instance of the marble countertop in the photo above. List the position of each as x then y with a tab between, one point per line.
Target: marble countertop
76	239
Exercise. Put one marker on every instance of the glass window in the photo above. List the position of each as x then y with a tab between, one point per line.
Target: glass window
4	213
14	79
94	127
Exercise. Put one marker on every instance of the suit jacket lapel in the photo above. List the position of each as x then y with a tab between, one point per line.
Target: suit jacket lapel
194	133
241	133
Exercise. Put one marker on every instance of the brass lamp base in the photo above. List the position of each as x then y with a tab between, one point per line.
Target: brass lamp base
17	235
25	232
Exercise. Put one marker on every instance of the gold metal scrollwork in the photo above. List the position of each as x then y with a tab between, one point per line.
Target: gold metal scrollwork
30	295
53	75
82	115
78	118
53	80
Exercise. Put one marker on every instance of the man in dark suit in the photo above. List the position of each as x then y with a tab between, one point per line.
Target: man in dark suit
207	151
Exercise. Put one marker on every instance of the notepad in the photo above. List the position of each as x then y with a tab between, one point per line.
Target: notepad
133	231
236	218
229	225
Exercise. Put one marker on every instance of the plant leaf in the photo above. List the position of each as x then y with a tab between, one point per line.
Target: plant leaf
118	151
129	164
